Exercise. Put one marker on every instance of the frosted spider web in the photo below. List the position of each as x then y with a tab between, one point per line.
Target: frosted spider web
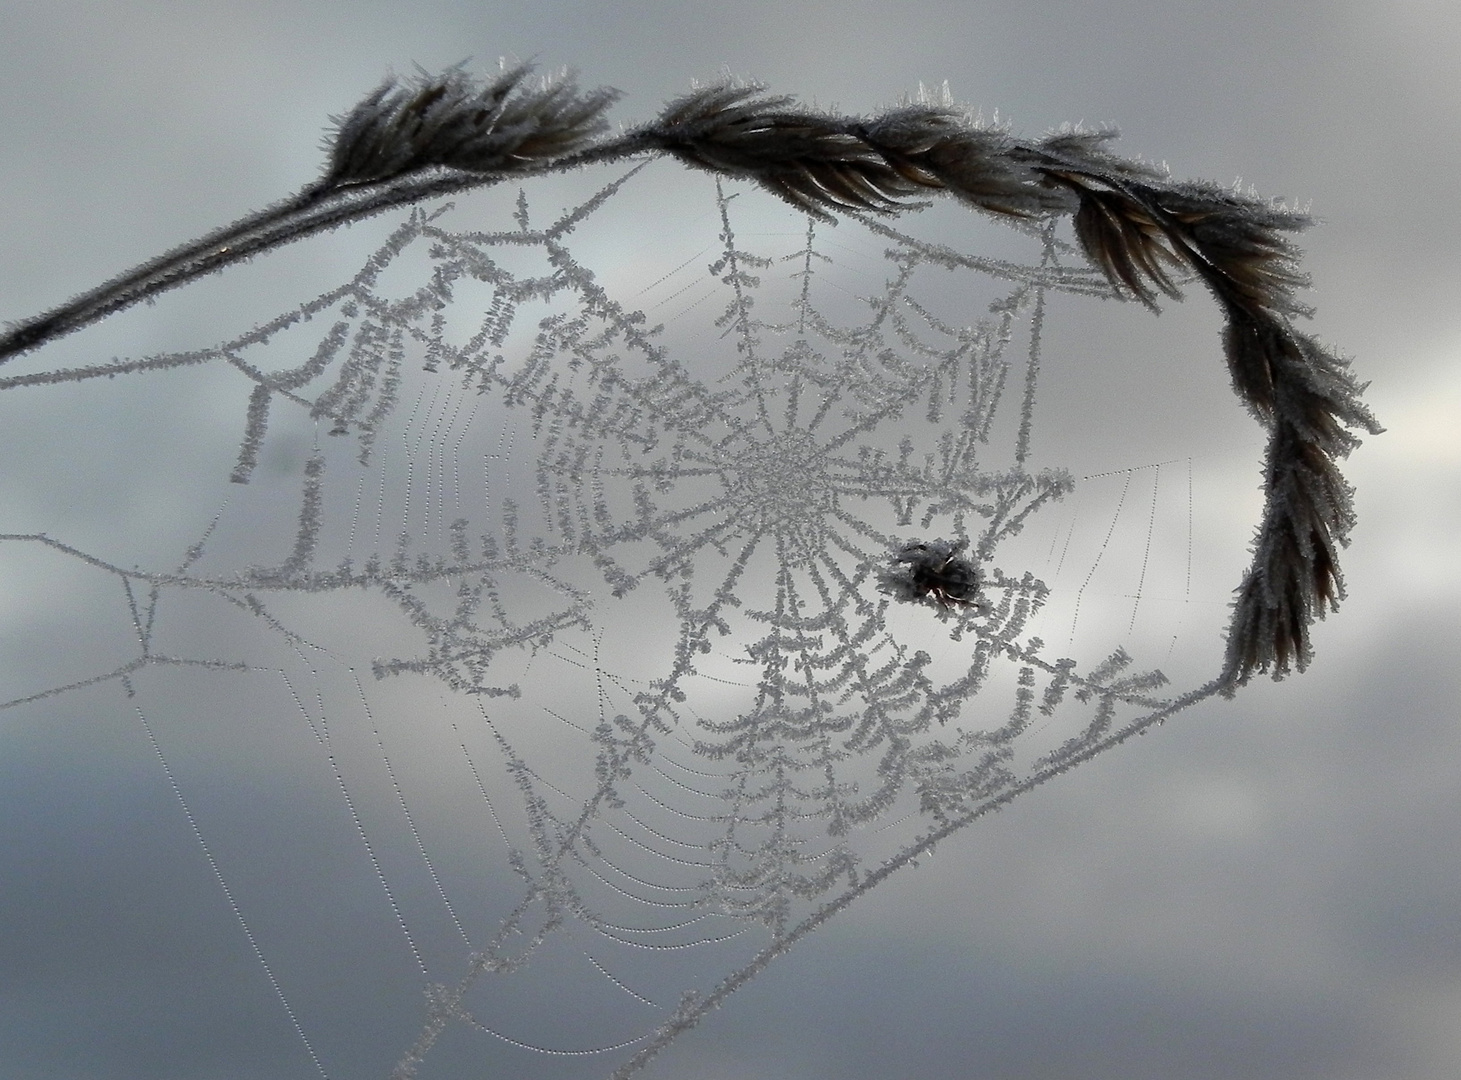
552	582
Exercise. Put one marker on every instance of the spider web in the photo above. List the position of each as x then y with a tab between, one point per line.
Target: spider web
552	580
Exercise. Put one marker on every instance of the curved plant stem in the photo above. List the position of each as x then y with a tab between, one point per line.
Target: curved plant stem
445	133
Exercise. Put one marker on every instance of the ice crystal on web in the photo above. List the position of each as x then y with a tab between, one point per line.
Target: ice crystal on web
674	573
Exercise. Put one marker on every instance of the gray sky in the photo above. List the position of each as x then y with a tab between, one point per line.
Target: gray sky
1261	888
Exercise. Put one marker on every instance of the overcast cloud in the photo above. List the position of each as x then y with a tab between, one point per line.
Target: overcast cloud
1266	887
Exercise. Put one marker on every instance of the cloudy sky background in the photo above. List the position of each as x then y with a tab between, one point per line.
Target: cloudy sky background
1262	888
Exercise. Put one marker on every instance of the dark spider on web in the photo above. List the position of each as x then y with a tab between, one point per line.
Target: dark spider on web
924	569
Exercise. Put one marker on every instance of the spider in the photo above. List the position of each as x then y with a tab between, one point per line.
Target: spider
937	570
